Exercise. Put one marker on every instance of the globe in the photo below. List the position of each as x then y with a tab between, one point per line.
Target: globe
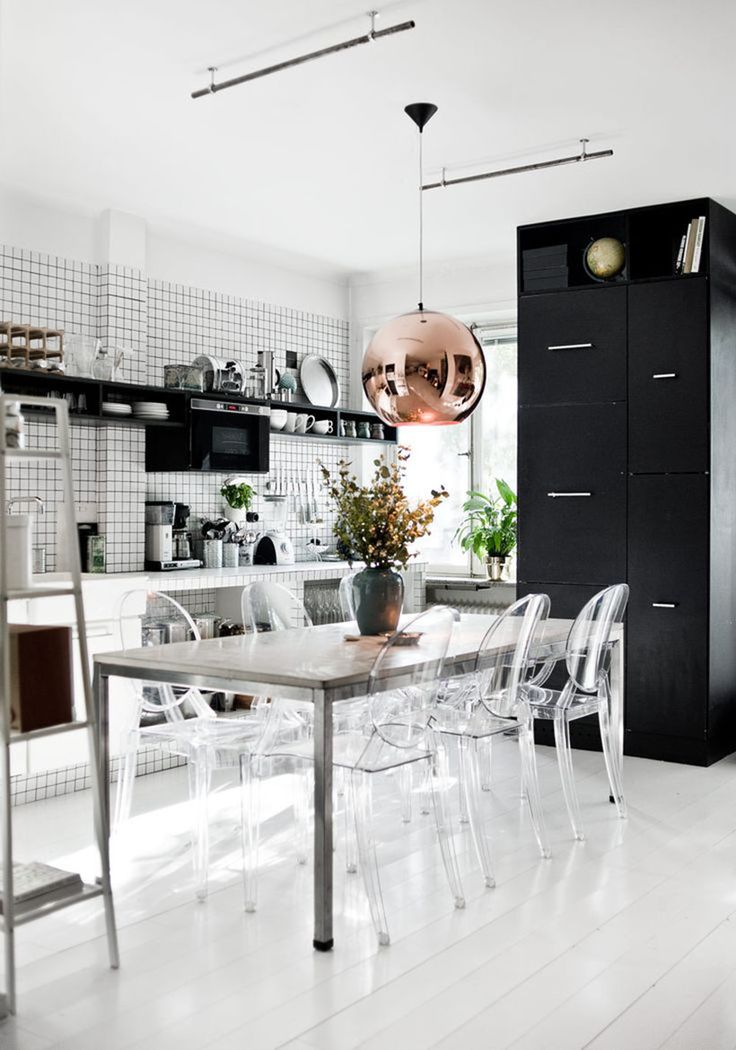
605	258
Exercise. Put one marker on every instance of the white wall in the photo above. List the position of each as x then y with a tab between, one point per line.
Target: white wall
45	226
188	257
461	288
171	258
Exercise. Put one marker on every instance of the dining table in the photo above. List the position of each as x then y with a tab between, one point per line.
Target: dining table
323	665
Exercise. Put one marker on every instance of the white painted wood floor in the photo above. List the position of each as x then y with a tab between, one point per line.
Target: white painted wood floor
624	942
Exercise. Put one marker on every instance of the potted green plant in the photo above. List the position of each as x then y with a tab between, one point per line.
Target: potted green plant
489	527
238	496
378	525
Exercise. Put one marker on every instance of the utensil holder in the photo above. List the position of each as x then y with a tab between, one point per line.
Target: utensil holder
212	554
230	552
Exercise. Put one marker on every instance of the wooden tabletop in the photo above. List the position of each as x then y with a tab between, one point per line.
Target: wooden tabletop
304	663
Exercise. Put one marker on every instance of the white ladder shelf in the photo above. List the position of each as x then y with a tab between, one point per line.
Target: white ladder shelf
16	913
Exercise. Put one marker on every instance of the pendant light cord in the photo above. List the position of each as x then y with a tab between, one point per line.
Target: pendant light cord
421	228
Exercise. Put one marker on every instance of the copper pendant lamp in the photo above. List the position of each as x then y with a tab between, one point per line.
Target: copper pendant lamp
423	367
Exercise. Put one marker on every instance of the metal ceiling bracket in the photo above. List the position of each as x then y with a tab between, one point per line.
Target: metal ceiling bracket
372	35
519	169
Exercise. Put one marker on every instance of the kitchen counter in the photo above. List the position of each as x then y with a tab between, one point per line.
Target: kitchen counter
197	579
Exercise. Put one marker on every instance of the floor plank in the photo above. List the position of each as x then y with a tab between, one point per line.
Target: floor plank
625	940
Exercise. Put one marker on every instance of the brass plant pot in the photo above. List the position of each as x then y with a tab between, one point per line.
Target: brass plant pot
495	566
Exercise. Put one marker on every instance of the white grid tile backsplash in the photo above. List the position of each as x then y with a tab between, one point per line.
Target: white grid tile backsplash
158	323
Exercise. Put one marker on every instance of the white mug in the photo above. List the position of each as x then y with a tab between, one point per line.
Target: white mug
290	424
303	423
323	426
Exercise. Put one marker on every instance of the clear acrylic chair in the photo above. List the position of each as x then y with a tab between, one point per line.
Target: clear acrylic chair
488	702
406	773
190	728
395	732
587	692
269	606
346	597
152	700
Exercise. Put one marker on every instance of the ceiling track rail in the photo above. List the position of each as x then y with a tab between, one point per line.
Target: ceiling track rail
367	38
542	165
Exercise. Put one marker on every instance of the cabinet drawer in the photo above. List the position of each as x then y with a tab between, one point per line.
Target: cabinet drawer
669	387
667	678
572	347
572	493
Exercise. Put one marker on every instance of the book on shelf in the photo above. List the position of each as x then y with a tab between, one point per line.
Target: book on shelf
41	883
689	256
689	247
698	251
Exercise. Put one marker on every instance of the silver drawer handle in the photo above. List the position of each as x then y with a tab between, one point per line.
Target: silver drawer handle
572	346
664	375
664	605
556	495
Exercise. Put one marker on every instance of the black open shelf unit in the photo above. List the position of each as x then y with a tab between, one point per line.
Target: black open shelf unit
626	392
650	235
335	416
37	383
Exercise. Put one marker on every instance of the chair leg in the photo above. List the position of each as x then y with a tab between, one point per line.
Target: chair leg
613	763
486	765
250	828
444	834
126	780
425	792
469	759
567	775
348	819
406	786
303	784
200	775
530	781
462	792
361	787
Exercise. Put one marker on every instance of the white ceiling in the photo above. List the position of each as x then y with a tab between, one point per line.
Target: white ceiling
321	161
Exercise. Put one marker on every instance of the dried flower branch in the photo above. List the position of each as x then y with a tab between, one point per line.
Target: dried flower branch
376	521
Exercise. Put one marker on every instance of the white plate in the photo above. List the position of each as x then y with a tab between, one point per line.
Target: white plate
117	410
319	382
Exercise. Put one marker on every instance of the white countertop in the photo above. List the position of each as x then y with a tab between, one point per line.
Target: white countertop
200	579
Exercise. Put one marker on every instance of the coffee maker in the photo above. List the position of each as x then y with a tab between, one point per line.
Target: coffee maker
161	553
181	536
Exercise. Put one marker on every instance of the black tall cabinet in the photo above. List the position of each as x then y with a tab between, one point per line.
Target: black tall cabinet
627	461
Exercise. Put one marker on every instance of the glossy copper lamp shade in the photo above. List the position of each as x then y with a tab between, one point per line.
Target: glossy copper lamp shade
424	368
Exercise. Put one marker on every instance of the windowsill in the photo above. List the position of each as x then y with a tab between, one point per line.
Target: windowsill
467	583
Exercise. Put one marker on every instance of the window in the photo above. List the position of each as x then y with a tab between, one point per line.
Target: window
470	455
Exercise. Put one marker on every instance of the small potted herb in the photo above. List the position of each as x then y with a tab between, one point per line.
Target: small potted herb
489	527
237	496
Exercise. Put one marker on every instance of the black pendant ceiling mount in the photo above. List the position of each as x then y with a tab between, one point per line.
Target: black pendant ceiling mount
421	113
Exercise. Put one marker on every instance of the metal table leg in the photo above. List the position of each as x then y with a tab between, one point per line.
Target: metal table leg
323	940
100	769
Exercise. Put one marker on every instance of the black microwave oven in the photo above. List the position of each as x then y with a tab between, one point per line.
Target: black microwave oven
224	436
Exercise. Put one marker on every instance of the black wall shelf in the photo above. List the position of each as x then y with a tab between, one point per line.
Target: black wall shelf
651	236
39	383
